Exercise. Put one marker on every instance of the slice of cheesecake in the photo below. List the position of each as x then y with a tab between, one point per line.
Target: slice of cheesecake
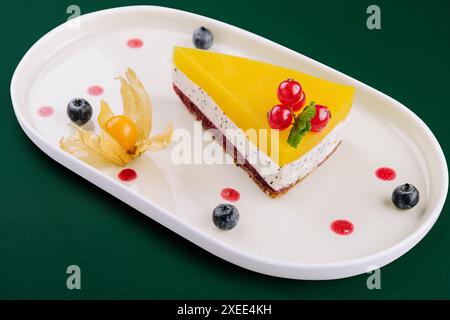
234	94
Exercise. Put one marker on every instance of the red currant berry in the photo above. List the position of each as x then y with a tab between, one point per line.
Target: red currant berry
280	117
300	104
321	118
289	92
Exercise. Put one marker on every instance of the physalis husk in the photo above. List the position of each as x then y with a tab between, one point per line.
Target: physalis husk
137	107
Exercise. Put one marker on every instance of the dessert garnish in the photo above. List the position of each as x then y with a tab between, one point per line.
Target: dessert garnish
225	216
203	38
405	196
289	92
292	97
342	227
280	117
123	130
300	104
125	137
320	120
46	111
127	175
386	174
302	125
79	111
95	91
135	43
230	194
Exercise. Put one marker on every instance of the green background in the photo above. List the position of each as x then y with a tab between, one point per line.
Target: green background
50	218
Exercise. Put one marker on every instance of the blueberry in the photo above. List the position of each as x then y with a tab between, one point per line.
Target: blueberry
405	196
203	38
79	111
225	216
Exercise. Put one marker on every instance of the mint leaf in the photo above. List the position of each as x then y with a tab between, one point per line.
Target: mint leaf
302	125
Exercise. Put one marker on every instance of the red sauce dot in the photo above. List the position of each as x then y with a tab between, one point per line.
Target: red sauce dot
230	194
127	175
342	227
135	43
386	174
95	91
46	111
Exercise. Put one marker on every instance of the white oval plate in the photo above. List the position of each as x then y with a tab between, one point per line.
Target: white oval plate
287	237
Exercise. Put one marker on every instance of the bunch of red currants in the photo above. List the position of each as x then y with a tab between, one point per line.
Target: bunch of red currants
292	99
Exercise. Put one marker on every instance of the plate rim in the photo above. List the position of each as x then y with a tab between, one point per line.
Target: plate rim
260	264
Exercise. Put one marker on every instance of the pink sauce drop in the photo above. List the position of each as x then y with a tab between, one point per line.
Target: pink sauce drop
95	91
135	43
230	194
342	227
127	175
46	111
386	174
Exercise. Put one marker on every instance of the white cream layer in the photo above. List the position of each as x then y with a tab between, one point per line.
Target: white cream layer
277	177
